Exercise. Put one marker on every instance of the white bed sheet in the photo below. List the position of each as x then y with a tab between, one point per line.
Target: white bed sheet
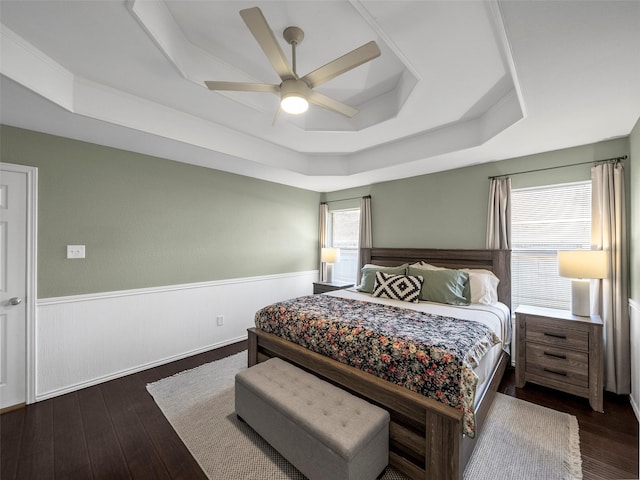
497	317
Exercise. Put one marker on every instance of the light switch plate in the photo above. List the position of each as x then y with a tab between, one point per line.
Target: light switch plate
75	251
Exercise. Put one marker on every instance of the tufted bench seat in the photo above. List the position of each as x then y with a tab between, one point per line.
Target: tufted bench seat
325	432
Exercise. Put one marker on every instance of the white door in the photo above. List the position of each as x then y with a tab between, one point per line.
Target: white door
13	288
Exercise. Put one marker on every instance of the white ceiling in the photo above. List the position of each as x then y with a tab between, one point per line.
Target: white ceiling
458	83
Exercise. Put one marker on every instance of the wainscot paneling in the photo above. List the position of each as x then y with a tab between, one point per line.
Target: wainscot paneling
634	318
87	339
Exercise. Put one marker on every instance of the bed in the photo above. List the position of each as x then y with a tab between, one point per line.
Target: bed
427	439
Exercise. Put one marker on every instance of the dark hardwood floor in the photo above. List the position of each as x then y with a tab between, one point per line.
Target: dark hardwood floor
115	431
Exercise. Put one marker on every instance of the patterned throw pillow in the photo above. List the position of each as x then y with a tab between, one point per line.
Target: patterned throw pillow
398	287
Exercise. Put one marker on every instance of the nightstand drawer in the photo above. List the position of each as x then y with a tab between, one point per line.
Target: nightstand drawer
543	332
557	364
558	375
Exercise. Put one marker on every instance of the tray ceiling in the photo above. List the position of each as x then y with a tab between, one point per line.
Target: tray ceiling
457	83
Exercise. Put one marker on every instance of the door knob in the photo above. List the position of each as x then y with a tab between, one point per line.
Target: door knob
15	301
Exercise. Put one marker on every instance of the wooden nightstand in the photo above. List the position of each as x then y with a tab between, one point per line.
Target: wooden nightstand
322	287
560	350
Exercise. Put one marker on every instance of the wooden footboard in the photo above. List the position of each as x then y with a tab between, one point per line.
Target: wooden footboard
426	440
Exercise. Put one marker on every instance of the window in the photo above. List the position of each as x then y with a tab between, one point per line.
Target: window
344	230
545	220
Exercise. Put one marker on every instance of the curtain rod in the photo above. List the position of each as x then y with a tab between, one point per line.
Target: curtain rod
606	160
345	199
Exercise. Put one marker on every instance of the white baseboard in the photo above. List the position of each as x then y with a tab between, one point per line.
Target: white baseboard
139	368
636	408
634	324
83	340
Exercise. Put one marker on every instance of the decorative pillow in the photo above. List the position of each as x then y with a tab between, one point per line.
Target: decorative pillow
483	285
398	287
443	285
369	275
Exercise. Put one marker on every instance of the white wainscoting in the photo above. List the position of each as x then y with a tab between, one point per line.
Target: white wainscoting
83	340
634	319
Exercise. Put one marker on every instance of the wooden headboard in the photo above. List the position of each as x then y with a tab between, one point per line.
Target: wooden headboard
498	261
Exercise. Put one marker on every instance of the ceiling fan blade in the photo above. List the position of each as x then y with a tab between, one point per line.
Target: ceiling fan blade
263	34
243	87
347	62
329	103
275	117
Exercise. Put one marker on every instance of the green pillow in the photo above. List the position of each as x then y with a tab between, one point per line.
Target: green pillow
369	275
443	286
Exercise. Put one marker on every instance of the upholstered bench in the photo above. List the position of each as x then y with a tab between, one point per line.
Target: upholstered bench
325	432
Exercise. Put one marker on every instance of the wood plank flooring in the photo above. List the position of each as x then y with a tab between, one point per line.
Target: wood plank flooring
115	431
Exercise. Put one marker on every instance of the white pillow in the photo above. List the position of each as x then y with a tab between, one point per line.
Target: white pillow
426	266
371	265
483	285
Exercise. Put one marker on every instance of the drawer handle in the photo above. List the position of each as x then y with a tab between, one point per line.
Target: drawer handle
555	335
564	374
555	355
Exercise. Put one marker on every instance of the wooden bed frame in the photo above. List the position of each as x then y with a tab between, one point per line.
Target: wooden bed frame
425	436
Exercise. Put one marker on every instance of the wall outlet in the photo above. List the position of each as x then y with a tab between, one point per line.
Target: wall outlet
220	320
75	251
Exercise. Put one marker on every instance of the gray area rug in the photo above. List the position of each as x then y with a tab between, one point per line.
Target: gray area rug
520	440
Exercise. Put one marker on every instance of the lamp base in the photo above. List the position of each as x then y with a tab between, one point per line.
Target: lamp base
580	301
329	272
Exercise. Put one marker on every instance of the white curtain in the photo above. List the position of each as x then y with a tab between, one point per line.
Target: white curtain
322	236
608	232
365	239
499	214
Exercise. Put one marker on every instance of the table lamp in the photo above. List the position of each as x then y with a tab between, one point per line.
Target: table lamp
329	256
581	266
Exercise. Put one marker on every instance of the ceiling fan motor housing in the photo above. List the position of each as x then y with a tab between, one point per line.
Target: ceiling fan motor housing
294	87
293	95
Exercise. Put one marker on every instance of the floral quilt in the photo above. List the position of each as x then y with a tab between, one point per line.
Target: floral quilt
425	353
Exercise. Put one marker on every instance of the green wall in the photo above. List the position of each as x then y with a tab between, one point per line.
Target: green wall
449	209
634	235
149	222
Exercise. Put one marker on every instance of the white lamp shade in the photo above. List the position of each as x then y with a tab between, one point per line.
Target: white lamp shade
583	263
330	255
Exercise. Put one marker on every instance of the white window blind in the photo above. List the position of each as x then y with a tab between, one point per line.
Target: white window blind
544	220
344	232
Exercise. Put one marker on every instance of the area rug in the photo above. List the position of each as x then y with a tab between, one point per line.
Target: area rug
519	440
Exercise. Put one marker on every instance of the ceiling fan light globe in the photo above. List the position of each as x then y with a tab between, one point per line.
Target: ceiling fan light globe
294	104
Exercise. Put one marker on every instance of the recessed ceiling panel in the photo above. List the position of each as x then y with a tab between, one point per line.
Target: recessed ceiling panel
331	29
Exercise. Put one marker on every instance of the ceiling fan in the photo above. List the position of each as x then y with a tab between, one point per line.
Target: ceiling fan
296	92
